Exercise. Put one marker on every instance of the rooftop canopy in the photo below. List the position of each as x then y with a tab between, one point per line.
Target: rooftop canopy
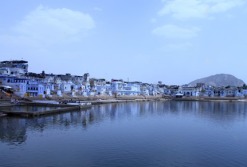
5	87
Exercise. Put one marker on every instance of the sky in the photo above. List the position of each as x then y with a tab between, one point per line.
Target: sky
173	41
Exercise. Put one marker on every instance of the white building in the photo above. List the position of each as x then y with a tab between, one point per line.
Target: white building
14	68
126	88
66	87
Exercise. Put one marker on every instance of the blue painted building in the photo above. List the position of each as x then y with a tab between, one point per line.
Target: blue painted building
18	84
35	88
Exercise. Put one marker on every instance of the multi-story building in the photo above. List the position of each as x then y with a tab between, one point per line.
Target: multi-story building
126	88
19	85
14	68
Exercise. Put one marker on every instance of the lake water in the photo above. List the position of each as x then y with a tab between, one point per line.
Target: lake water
29	108
145	134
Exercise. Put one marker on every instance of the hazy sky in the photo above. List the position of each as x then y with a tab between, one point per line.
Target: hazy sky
173	41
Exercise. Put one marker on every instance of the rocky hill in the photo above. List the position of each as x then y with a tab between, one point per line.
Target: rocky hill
219	80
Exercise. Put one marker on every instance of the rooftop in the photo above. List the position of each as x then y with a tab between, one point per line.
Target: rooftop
14	62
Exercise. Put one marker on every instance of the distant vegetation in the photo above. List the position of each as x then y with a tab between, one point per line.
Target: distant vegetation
219	80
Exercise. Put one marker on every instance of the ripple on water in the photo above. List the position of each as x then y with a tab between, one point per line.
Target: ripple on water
183	134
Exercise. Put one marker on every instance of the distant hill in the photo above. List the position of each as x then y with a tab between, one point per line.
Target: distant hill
219	80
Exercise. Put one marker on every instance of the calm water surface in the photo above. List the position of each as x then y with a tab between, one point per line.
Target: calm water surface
172	134
31	108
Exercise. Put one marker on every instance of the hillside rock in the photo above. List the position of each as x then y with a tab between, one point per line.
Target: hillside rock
219	80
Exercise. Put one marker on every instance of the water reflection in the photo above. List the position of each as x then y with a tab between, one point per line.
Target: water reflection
30	108
14	130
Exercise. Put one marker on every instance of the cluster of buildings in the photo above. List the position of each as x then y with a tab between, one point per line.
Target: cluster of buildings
202	90
14	75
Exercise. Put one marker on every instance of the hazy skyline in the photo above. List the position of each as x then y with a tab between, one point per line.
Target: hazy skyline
173	41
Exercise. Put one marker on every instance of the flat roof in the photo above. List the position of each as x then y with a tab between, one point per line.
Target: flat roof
14	62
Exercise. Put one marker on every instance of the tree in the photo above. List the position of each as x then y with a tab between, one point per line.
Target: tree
43	74
244	86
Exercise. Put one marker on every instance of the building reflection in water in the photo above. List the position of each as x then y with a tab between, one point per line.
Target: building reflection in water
14	130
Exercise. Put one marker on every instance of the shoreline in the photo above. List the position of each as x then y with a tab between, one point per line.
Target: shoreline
110	99
205	99
99	101
97	98
136	98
